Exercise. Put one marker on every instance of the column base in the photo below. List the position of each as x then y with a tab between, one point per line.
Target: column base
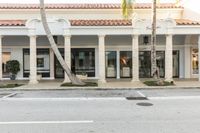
33	82
101	81
66	80
135	80
169	80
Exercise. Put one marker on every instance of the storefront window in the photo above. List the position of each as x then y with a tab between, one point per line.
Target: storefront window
43	62
125	64
160	59
111	64
195	63
83	61
145	63
176	63
5	58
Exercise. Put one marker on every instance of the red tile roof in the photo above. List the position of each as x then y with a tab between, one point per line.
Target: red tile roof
12	22
186	22
85	6
101	22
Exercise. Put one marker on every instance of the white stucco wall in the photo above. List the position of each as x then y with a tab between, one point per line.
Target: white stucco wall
87	13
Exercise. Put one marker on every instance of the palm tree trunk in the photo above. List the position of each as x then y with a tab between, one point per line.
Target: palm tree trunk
54	47
154	69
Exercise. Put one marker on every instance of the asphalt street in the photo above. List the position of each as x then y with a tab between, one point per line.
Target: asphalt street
100	116
57	112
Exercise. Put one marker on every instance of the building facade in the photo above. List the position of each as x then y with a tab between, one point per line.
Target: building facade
95	40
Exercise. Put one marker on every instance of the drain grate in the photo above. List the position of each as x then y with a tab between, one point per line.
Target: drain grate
136	98
144	104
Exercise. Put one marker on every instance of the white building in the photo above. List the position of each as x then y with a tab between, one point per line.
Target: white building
95	39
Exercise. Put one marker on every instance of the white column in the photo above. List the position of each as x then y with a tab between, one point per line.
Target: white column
199	54
135	58
67	52
169	58
102	59
52	75
187	59
33	62
1	72
118	65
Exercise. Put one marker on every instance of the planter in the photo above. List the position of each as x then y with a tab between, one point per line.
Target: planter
82	76
39	76
12	77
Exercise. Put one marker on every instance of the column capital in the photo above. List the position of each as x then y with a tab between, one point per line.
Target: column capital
1	36
35	36
135	35
101	35
67	36
169	35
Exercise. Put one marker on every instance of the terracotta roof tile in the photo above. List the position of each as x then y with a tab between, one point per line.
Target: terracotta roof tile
186	22
84	6
101	22
12	22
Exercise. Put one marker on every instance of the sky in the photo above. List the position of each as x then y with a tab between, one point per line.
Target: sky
74	1
191	4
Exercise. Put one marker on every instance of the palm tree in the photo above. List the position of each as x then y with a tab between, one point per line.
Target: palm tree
54	47
127	7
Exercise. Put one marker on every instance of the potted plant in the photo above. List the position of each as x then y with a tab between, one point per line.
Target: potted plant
13	67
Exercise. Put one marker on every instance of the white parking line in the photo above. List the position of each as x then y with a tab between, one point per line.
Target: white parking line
174	98
141	94
10	95
63	99
46	122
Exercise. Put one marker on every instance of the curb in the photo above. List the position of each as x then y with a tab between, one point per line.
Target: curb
95	88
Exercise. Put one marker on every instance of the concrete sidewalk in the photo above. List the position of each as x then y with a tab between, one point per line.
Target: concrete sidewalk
111	84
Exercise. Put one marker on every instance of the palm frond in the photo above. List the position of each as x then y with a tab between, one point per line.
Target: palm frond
127	8
178	2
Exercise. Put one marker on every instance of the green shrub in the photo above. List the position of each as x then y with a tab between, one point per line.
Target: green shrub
87	84
155	83
13	66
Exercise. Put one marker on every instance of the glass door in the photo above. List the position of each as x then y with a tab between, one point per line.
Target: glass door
125	64
59	72
5	57
144	64
111	65
195	62
160	59
176	64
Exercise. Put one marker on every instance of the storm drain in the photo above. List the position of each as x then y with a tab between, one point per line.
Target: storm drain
136	98
144	104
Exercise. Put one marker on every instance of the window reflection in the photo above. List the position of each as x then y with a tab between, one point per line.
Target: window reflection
111	64
195	62
125	64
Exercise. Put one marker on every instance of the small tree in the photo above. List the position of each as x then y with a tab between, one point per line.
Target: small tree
13	66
